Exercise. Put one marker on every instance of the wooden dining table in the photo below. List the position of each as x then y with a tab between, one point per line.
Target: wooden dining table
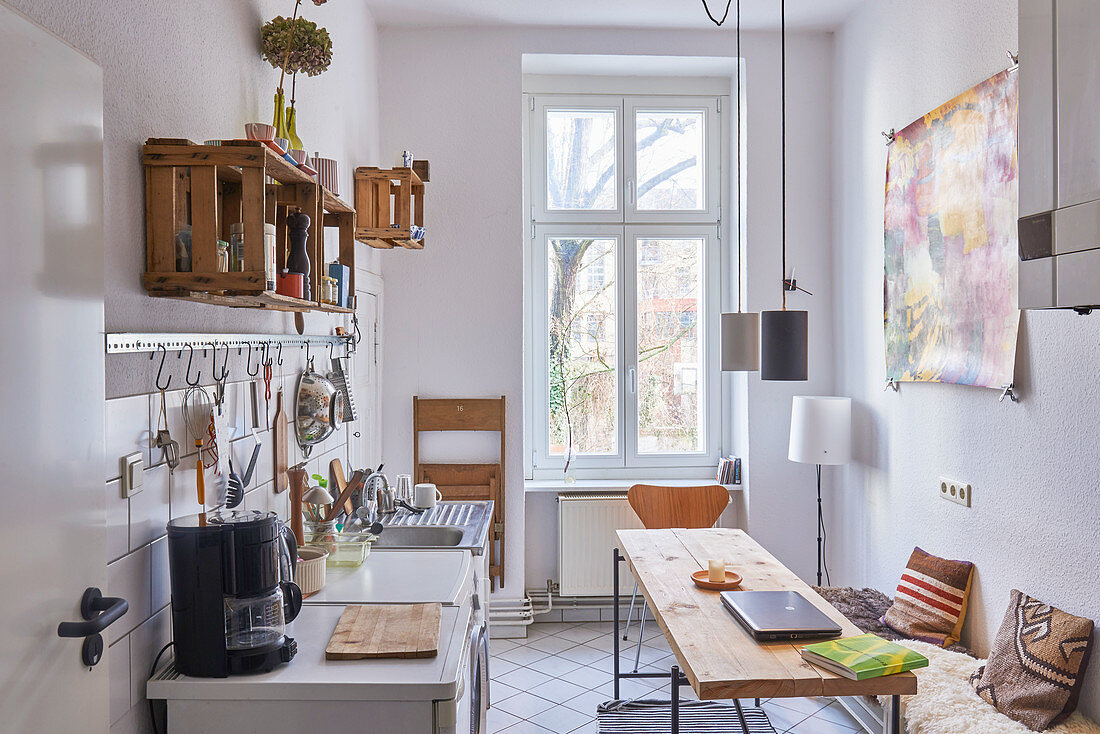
716	655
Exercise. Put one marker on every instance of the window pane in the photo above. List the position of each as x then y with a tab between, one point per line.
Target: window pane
669	160
582	334
580	159
670	348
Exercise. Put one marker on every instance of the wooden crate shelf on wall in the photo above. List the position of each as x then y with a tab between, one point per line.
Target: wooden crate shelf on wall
209	188
388	203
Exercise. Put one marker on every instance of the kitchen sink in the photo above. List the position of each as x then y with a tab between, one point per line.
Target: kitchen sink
437	536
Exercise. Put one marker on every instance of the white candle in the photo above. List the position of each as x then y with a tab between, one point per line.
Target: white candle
717	571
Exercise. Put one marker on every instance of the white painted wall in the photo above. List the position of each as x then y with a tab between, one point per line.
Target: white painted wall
192	70
1034	520
454	311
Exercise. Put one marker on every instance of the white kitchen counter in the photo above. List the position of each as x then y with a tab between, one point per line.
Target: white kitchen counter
309	677
400	577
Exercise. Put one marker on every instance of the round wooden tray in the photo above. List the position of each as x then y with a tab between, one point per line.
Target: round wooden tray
733	580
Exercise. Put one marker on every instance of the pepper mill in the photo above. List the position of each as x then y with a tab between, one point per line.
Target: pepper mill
297	476
297	260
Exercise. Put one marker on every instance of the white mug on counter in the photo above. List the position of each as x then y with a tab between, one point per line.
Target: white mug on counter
426	495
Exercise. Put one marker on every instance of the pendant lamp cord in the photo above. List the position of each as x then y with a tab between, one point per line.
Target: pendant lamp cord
783	135
740	280
712	18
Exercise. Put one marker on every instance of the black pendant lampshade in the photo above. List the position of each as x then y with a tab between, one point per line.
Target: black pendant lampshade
784	345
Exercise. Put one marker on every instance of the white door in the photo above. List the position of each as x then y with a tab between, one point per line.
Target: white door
365	450
52	526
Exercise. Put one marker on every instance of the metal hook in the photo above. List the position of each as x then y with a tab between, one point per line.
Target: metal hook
280	360
891	384
330	346
187	377
248	363
1008	391
163	354
219	376
307	353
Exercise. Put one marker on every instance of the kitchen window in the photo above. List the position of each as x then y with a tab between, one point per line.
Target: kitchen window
624	285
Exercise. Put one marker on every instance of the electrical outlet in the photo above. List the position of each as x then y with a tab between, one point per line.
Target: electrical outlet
957	492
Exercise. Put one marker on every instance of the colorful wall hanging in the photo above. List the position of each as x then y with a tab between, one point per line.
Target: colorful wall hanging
951	246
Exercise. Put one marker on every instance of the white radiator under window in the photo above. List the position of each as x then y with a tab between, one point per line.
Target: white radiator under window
586	535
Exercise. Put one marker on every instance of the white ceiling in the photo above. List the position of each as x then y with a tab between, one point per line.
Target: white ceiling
755	14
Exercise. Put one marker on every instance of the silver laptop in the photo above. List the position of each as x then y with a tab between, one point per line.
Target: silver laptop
779	615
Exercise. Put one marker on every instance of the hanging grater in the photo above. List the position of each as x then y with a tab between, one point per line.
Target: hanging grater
340	382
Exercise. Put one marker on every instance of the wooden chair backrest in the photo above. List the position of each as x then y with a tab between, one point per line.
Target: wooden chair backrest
678	507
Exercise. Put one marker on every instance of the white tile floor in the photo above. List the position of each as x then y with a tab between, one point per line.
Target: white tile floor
553	680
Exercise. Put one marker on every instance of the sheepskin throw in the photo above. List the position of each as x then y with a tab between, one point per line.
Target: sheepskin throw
945	704
865	608
930	602
1037	664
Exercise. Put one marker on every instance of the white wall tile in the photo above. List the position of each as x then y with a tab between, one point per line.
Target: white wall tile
145	642
127	431
130	577
118	521
256	499
149	508
184	500
118	673
160	590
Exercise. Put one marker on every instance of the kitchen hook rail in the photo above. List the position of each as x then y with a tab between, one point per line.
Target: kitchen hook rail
134	343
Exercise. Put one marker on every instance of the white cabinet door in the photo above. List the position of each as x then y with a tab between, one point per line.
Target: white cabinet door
52	527
1078	73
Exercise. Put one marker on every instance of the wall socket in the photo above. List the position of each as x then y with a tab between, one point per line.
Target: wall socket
958	492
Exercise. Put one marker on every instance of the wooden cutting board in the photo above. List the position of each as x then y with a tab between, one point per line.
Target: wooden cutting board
386	631
279	434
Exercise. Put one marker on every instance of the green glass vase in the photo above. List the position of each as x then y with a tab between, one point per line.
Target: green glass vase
280	120
291	133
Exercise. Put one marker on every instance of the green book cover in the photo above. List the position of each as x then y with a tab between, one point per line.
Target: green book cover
863	656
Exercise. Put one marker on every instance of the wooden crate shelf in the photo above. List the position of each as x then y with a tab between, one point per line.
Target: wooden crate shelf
209	188
388	203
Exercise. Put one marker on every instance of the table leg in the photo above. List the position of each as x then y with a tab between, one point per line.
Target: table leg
675	699
616	559
893	715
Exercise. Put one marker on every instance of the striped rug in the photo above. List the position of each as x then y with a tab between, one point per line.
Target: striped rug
696	717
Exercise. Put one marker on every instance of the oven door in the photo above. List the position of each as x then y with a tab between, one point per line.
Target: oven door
479	679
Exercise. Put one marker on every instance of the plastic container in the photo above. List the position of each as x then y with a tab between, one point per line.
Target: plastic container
344	549
309	573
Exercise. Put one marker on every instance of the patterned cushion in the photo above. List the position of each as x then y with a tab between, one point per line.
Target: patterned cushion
1037	663
930	603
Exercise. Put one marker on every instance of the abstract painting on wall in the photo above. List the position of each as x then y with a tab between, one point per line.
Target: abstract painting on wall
951	245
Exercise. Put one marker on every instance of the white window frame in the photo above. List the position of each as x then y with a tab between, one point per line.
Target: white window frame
712	174
626	225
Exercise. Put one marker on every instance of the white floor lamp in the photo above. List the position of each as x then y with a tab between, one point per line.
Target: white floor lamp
821	434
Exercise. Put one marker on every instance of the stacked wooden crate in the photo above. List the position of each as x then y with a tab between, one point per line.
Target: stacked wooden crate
211	187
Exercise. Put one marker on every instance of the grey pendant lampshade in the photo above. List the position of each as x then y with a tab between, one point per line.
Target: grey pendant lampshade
740	342
784	345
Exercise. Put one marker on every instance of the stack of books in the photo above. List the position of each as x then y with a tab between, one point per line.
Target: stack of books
729	470
863	656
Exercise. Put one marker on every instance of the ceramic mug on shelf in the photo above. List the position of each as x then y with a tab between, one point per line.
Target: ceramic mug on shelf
426	495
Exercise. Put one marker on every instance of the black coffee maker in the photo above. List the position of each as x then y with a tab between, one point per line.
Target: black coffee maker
232	592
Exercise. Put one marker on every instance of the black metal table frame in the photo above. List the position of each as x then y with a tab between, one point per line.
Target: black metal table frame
892	723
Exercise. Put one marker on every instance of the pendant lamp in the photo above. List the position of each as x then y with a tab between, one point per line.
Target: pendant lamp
740	330
784	335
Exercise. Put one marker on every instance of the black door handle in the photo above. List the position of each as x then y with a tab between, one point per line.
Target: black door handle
99	612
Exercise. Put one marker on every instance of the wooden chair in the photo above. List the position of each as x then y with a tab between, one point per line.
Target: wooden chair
466	482
660	508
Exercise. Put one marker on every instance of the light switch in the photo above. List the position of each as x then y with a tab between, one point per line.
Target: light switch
133	475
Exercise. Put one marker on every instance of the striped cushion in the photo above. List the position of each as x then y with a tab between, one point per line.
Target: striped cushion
930	603
696	717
